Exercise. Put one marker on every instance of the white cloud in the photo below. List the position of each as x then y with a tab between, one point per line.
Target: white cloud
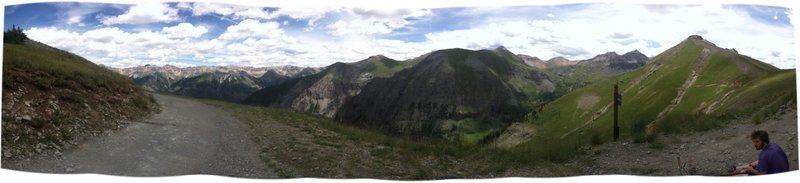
234	11
252	13
143	14
360	21
55	37
260	38
184	30
650	29
75	20
358	27
252	28
74	13
311	14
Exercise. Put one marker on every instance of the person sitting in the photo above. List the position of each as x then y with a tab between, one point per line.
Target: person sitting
771	160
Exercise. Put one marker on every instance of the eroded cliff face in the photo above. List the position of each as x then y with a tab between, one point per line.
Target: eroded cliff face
325	92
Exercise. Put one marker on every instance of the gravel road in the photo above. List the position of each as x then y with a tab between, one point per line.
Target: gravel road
187	137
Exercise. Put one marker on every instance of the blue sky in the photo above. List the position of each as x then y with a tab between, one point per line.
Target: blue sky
202	33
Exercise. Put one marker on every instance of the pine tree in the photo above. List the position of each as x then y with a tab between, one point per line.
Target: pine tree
14	35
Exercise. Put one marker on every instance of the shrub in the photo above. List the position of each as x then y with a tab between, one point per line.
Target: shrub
14	35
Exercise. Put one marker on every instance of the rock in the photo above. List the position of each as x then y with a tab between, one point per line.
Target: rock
27	117
39	148
27	103
6	153
70	169
648	152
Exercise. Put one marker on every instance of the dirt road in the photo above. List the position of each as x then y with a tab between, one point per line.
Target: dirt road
187	137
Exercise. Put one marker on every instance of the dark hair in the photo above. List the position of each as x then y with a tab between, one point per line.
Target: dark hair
760	134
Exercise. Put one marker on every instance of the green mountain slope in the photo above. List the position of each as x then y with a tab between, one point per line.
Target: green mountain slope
457	93
52	98
694	85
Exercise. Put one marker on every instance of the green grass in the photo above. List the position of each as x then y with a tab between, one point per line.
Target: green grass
384	66
254	114
565	119
412	150
90	99
60	64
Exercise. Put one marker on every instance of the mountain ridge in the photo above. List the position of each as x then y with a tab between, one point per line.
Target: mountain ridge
694	85
229	83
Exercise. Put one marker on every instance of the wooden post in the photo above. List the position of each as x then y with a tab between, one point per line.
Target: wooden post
617	102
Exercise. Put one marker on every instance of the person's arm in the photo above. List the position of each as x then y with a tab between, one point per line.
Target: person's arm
754	163
754	171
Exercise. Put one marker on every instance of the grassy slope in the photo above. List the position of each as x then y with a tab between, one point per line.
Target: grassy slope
385	66
764	87
65	96
60	64
322	144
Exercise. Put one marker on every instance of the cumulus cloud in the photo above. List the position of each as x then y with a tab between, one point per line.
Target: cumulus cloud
310	14
648	28
233	11
144	13
360	21
184	30
252	28
261	37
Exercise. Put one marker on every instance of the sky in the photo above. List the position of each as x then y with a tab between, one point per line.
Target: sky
213	33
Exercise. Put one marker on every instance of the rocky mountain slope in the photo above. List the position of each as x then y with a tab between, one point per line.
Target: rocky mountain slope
458	94
462	94
324	93
53	99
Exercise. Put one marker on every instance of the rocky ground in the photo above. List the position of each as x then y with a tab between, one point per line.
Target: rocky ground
711	153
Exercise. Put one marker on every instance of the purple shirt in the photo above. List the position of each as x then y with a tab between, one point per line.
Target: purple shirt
772	160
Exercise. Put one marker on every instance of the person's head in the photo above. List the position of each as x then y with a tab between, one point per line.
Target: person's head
760	139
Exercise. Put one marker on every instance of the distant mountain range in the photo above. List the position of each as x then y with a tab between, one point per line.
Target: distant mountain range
474	96
212	82
455	93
